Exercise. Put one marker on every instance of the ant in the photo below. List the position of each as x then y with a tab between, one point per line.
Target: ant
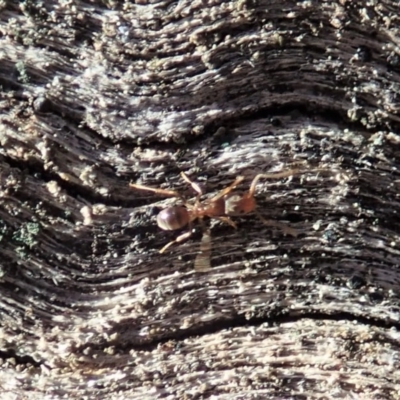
222	206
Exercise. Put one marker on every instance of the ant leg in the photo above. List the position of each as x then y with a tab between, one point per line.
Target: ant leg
278	175
202	263
179	239
284	174
163	192
194	186
227	220
228	189
285	228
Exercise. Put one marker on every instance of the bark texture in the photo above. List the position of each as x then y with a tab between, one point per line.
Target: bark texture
97	94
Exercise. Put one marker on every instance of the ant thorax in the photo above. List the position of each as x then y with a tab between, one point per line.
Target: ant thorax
214	208
239	204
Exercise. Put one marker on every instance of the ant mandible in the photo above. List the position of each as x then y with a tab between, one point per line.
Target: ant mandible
222	206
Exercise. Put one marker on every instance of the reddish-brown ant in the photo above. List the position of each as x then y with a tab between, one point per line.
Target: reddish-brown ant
222	206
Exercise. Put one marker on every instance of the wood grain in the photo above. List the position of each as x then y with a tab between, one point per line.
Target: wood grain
97	94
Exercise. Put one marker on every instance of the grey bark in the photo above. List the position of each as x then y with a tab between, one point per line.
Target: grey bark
95	95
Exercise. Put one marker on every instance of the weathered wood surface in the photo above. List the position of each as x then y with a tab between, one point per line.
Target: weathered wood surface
95	95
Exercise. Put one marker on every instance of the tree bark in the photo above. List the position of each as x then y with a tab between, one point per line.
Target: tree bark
95	95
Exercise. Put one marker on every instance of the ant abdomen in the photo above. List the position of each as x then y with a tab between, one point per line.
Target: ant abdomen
173	218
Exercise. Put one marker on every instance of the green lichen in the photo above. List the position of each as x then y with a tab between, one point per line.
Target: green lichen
34	9
27	234
23	74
